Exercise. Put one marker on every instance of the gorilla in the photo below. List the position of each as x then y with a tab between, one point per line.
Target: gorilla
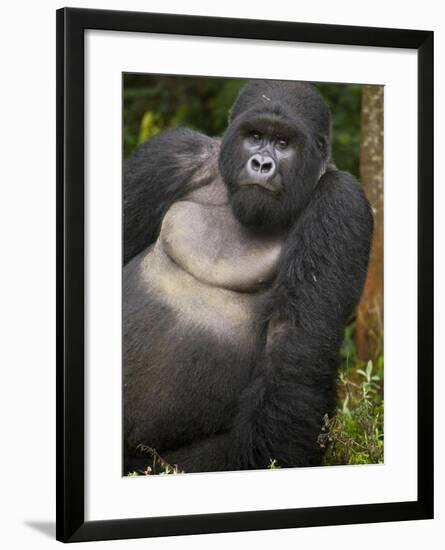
243	259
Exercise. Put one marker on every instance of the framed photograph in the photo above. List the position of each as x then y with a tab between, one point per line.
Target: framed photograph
244	233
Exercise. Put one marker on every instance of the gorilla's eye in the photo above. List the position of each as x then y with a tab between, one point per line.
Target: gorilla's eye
255	136
282	143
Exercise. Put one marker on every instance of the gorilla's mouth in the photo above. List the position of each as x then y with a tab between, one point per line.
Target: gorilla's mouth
263	186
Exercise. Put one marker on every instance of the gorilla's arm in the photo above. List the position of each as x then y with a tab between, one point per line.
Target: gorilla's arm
294	384
159	173
319	283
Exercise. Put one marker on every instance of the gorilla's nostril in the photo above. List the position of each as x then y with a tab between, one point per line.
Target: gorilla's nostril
266	167
256	165
261	166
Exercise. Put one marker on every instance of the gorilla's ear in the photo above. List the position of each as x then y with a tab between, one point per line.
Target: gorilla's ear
322	143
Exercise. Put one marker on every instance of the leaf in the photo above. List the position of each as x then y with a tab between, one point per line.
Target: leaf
151	125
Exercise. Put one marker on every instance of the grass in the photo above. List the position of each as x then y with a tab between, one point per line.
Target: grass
355	435
156	465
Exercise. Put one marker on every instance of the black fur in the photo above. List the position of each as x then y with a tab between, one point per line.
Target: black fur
302	112
292	381
156	176
320	281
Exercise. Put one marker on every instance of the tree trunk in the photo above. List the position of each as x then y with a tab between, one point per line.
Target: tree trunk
369	327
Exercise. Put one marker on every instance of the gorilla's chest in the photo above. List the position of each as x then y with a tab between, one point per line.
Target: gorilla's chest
208	269
190	330
209	244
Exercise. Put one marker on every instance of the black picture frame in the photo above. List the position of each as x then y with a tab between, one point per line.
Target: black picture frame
71	24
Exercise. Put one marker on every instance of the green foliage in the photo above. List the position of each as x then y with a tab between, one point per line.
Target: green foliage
148	471
345	103
161	102
155	464
155	103
273	464
151	124
356	433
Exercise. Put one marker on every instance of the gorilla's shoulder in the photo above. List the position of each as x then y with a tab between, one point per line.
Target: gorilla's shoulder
344	193
343	184
179	148
161	171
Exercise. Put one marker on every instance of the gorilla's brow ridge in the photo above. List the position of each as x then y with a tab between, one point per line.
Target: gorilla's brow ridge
275	125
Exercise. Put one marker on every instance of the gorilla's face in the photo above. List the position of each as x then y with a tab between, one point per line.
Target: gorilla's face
272	157
270	152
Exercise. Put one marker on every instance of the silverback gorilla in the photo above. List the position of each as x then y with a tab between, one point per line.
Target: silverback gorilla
244	256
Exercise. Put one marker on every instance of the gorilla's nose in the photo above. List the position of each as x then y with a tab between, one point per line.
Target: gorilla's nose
261	167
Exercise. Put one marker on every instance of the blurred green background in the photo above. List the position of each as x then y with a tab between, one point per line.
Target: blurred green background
154	103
